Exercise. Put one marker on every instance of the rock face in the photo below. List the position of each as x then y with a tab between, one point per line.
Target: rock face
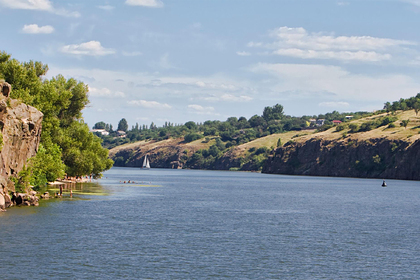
372	158
20	127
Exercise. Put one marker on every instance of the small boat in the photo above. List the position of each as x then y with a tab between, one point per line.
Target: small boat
146	163
384	184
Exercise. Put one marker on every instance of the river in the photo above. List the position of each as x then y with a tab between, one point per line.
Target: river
190	224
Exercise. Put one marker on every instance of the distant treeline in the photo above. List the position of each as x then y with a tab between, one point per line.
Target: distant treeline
232	132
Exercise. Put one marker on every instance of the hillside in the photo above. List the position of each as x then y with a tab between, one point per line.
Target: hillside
300	152
383	152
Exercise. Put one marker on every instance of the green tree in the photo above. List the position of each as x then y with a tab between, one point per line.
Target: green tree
191	125
416	107
279	142
122	125
99	125
61	101
273	113
404	123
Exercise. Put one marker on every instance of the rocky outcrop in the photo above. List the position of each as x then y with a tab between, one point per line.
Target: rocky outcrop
371	158
20	128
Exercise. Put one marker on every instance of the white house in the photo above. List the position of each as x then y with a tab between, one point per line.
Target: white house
101	131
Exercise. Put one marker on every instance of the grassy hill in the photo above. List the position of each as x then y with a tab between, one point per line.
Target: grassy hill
211	152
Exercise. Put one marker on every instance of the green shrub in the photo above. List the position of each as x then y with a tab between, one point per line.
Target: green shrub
191	137
340	127
353	127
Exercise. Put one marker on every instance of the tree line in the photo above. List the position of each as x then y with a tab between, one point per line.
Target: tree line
234	131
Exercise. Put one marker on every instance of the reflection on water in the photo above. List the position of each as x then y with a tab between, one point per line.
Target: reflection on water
193	224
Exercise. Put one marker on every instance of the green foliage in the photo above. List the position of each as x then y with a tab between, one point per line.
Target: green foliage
340	127
404	123
62	140
99	125
122	125
273	113
279	142
46	166
82	152
1	141
353	127
22	180
191	125
191	137
394	146
324	127
261	150
404	104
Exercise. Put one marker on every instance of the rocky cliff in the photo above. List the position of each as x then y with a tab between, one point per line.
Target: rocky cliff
365	158
20	127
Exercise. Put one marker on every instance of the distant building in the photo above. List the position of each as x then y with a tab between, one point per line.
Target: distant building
349	117
121	133
101	131
320	122
336	122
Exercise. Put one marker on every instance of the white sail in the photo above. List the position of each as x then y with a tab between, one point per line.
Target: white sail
146	163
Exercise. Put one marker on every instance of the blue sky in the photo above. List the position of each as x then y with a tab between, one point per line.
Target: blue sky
173	60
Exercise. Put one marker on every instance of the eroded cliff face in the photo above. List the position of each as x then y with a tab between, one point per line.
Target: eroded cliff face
20	127
372	158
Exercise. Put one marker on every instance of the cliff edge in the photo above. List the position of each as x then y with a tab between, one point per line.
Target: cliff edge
372	158
20	128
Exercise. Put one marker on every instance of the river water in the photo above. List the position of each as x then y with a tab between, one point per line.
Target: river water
189	224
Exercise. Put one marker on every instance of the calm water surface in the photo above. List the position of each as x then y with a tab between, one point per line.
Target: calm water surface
186	224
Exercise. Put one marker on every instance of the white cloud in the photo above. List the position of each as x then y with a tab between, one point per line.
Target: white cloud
149	104
334	104
105	92
43	5
230	97
198	109
339	55
145	3
243	53
106	7
297	42
35	29
92	48
131	53
336	81
343	3
40	5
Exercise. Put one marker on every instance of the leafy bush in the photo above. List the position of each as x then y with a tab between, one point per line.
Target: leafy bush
191	137
353	127
340	127
261	150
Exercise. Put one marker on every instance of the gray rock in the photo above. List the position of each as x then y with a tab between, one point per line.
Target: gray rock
21	127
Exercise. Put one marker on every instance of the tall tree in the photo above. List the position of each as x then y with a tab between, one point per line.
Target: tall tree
123	125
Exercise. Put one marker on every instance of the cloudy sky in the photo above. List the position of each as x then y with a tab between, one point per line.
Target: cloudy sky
181	60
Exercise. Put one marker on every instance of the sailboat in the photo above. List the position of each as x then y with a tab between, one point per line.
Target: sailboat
146	163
